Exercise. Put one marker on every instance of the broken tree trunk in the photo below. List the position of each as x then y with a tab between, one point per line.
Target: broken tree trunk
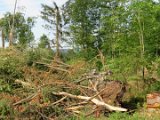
153	101
3	41
94	100
112	95
98	81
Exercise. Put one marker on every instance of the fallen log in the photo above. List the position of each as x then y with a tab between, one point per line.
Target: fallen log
58	101
25	84
94	100
59	62
153	101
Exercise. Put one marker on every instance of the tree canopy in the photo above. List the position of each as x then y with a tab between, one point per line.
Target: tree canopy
23	34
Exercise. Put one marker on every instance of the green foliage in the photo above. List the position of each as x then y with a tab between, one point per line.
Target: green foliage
83	23
5	108
44	42
121	29
125	116
86	54
38	54
47	93
23	34
4	87
69	55
158	66
49	14
124	67
154	86
125	31
10	68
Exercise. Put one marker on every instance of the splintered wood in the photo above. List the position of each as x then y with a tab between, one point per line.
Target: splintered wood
94	90
95	101
106	93
153	101
113	91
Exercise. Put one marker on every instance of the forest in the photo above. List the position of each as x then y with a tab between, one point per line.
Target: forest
101	62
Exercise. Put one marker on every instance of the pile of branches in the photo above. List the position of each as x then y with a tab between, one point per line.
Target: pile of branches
92	91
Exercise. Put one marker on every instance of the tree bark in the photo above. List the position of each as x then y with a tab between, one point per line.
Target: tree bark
11	34
94	100
10	38
3	41
57	30
141	39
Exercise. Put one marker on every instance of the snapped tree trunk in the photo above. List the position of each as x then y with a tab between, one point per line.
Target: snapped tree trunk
58	19
57	36
12	26
10	38
93	100
3	41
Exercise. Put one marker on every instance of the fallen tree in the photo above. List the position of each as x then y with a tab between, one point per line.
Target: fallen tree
94	100
96	94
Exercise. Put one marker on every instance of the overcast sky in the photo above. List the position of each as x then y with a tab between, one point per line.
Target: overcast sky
31	8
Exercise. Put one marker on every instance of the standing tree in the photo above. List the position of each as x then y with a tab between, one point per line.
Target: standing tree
2	37
52	15
142	19
83	17
23	34
44	42
11	33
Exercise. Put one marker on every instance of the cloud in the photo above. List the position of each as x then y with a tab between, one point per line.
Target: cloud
1	15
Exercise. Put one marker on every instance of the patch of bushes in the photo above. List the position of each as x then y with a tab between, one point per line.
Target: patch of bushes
126	116
10	69
4	87
38	54
5	109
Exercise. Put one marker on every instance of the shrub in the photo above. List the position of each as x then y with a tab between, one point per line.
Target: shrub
5	109
38	54
11	64
125	116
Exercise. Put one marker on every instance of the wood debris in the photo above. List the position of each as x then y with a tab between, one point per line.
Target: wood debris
153	101
97	91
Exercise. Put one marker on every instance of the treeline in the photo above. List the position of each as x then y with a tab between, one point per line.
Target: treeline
117	27
125	31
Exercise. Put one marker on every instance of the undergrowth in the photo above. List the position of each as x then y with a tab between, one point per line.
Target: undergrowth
13	62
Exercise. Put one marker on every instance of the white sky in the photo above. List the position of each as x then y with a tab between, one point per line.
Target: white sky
31	8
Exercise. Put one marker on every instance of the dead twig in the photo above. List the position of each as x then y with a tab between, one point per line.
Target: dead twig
25	84
44	116
74	107
29	98
86	78
56	68
61	63
81	103
58	101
